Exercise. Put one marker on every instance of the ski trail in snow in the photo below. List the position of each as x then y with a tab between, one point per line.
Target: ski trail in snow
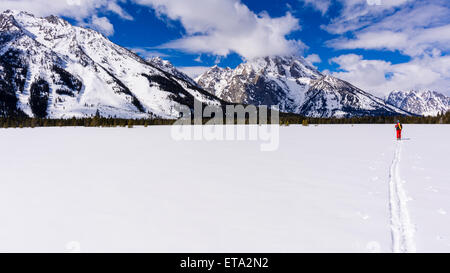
402	230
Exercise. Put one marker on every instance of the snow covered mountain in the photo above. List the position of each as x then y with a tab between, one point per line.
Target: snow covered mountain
49	68
263	81
332	97
169	68
295	85
424	103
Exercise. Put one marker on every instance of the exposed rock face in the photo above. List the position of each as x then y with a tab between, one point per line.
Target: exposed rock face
424	103
295	86
49	68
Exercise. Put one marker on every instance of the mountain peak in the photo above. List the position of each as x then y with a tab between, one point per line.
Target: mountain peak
156	59
295	86
14	13
216	68
56	70
168	67
56	20
261	81
420	102
159	62
10	12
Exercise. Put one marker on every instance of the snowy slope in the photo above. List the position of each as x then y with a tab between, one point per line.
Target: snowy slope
169	68
295	85
279	81
332	97
424	103
334	196
51	68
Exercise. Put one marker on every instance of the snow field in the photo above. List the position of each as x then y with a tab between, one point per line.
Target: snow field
327	188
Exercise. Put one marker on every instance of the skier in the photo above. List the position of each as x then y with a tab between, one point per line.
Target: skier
399	128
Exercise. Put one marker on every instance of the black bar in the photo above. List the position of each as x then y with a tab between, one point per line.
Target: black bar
223	262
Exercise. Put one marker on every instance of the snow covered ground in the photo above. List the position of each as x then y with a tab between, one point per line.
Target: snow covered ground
337	188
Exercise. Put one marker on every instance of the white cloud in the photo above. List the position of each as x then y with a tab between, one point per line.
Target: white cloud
198	59
419	29
313	58
193	71
77	9
83	11
381	77
102	24
320	5
114	7
414	30
223	26
146	52
217	27
372	40
356	14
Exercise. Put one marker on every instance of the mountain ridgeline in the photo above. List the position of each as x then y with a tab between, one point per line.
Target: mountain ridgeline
296	86
424	103
51	69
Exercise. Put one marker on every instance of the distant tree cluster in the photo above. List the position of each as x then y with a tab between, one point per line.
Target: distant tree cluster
26	122
285	119
441	118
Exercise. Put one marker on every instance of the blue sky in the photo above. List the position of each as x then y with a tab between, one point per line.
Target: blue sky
378	45
147	31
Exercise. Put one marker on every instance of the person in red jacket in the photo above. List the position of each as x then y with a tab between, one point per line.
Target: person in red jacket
399	128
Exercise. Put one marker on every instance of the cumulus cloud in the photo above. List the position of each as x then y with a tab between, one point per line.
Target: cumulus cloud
83	11
414	30
193	71
320	5
77	9
102	24
114	7
313	58
147	52
356	14
419	29
220	27
381	77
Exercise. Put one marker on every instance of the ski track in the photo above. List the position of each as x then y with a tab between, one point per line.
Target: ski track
402	230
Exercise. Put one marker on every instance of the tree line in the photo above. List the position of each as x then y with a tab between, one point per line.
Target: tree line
285	119
441	118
